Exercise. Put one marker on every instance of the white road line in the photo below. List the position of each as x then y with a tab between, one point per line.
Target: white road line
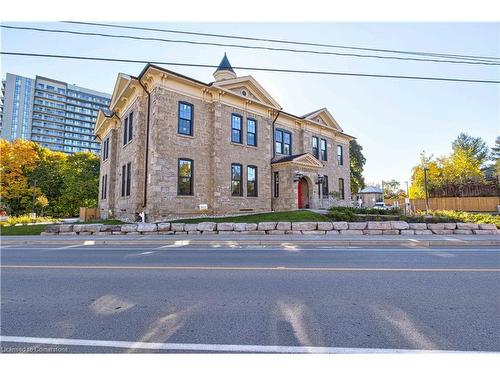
216	347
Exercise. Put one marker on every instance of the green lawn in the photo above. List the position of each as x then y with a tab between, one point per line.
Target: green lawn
301	215
36	229
22	230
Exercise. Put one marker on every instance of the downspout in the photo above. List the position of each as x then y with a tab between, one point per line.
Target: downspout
146	152
274	153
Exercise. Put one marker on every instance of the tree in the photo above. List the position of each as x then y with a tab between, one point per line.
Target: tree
476	146
49	178
357	163
81	183
434	176
392	190
43	202
17	160
461	167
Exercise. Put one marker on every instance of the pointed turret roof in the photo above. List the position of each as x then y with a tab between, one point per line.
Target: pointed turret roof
225	64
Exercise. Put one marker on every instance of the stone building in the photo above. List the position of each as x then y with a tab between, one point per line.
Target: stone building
173	146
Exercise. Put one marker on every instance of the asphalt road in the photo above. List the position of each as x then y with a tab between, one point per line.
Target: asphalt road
114	299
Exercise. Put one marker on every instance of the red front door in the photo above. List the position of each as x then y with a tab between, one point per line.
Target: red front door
300	193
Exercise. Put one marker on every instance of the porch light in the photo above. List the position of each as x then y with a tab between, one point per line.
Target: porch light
297	176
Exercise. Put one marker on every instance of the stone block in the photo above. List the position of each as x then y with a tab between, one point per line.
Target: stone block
275	231
147	227
467	226
66	228
117	232
293	232
423	231
478	231
487	226
190	227
193	232
390	232
129	228
163	227
180	232
84	233
357	225
284	225
132	233
304	226
110	228
270	225
462	231
450	225
239	227
372	231
399	225
205	232
332	232
314	232
325	225
351	231
48	234
53	228
68	233
340	225
435	226
166	232
251	227
225	227
418	226
383	225
407	232
442	231
177	227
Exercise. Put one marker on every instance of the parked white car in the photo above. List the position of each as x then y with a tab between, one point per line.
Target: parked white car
381	206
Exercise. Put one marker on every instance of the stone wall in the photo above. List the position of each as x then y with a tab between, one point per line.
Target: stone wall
270	228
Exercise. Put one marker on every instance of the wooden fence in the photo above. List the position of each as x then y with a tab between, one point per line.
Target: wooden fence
468	204
87	214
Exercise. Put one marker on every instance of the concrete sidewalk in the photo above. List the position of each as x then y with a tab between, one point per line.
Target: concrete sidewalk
420	241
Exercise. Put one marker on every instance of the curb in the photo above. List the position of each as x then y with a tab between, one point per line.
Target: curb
407	243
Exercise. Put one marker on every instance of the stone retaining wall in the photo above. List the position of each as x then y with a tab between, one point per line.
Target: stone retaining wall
282	227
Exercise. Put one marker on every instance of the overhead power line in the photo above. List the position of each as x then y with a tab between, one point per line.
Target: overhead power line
419	53
299	71
134	37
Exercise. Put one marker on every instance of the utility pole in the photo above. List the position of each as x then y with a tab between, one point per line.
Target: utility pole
426	191
33	208
407	195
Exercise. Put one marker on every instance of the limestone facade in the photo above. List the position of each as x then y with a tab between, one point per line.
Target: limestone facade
156	145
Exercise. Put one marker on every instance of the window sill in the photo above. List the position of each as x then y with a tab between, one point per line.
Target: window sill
185	196
185	135
126	144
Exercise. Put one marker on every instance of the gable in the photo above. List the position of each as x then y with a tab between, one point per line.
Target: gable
121	83
306	161
248	87
323	117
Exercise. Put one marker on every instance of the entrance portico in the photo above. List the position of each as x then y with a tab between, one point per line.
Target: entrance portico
297	186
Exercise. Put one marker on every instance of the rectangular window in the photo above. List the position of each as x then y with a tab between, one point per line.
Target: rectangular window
236	128
185	177
185	125
325	186
276	184
128	128
236	180
340	155
323	149
341	188
251	181
105	149
125	131
124	179
129	167
283	142
315	149
251	132
103	187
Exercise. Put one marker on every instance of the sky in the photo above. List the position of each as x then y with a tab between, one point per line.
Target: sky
393	119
